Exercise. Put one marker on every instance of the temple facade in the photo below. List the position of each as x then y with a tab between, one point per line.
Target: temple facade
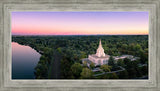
100	57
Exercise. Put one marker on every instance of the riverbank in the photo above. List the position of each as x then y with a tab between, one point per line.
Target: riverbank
39	51
44	62
24	60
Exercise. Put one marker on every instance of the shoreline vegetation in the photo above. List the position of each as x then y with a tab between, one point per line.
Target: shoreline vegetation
61	55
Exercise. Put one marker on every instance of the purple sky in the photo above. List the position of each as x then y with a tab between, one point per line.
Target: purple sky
79	23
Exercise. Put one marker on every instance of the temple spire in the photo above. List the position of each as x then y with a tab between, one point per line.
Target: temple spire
100	44
100	50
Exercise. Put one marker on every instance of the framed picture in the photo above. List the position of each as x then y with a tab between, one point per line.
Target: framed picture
79	45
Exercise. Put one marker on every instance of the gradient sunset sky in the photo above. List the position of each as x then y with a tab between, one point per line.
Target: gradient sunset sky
80	23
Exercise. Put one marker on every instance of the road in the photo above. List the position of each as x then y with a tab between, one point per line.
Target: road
122	69
55	66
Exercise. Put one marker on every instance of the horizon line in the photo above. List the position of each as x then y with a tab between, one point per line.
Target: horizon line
80	35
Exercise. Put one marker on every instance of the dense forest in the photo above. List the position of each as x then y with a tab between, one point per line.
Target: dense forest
67	52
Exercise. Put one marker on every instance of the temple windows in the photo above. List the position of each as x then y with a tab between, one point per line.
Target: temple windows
99	62
104	61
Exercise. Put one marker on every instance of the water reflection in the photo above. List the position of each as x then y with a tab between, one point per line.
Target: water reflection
24	60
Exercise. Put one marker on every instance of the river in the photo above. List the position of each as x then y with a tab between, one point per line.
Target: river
24	60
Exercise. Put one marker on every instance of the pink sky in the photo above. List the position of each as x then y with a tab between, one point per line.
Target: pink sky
79	23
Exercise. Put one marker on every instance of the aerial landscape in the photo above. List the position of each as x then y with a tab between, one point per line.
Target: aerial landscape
80	45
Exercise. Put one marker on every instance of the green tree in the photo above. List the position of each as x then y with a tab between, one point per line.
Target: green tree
114	76
85	63
139	72
124	46
126	61
144	70
59	50
92	65
138	47
132	72
110	76
105	68
123	74
86	73
66	64
143	57
42	57
120	62
83	54
111	61
76	70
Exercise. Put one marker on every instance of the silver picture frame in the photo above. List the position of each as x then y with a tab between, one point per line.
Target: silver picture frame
150	6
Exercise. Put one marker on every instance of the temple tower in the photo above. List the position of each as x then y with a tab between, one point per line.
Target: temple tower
100	50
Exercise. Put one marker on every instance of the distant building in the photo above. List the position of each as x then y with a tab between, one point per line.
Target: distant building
99	58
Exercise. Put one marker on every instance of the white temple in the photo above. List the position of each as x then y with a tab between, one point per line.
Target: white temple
100	57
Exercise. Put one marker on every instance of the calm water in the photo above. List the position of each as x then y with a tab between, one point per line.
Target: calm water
24	60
